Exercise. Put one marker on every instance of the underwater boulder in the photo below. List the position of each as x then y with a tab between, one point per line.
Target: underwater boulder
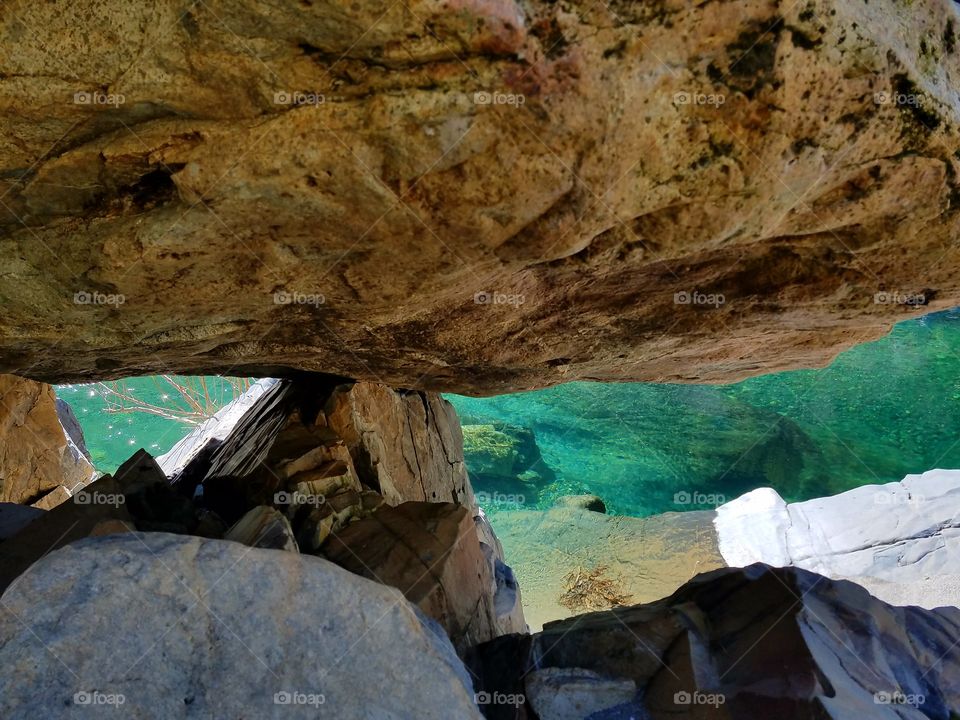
503	456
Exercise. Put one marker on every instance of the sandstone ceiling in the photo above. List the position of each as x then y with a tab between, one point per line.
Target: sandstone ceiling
471	195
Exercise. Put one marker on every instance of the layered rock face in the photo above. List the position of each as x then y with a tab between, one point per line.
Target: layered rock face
370	477
40	463
752	643
481	197
208	629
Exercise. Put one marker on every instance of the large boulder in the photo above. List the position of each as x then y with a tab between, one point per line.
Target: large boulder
900	540
101	501
431	552
505	458
473	196
38	458
297	437
168	626
759	642
407	444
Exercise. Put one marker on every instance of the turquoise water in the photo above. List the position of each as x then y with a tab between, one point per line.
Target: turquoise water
880	411
112	437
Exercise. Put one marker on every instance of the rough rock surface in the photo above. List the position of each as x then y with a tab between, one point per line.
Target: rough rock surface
478	196
182	627
407	445
37	456
431	553
900	540
263	527
212	431
404	445
62	525
759	642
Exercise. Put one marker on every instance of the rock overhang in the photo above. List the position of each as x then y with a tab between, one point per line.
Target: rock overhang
477	197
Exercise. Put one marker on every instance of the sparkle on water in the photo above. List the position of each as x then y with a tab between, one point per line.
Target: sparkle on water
880	411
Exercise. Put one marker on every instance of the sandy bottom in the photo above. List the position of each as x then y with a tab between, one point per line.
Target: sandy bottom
650	557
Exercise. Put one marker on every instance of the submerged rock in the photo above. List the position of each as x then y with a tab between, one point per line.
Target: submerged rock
759	642
505	458
168	626
592	503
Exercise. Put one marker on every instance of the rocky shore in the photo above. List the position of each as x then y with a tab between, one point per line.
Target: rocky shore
317	530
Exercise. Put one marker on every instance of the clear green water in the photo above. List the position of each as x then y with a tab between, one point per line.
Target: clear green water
880	411
113	437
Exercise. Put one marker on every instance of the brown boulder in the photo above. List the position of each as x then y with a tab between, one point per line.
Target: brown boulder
39	464
409	445
473	196
431	553
263	527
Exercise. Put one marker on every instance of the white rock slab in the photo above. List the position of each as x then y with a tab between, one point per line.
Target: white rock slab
901	535
214	428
